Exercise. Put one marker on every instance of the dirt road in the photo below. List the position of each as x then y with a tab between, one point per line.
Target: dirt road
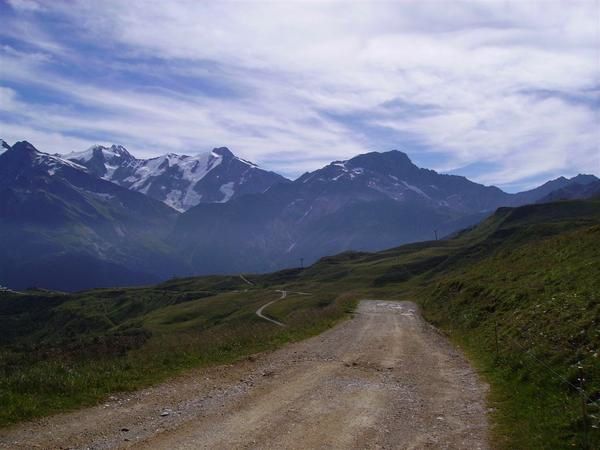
259	311
384	379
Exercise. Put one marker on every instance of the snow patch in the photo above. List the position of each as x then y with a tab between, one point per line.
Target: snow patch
101	195
415	189
227	190
173	199
191	198
54	163
308	211
251	164
110	171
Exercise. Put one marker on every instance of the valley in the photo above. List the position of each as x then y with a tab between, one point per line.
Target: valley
490	289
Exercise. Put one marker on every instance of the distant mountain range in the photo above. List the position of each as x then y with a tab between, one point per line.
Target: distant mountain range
103	217
579	187
180	181
371	202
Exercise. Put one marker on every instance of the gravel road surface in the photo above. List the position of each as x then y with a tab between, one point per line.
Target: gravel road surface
385	379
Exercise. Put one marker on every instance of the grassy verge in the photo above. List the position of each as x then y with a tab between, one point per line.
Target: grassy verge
529	318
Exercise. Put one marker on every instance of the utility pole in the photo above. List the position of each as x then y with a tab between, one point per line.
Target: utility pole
496	336
436	236
584	414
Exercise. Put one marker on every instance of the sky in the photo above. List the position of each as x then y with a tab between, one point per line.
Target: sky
505	93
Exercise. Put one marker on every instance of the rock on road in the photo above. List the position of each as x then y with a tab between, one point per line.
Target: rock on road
385	379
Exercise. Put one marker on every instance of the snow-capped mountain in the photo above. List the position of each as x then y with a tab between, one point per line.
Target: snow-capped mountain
180	181
33	161
102	161
393	175
62	227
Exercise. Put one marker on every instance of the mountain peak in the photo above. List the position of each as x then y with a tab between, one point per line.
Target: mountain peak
396	152
22	151
584	178
223	151
99	154
116	150
23	156
392	155
562	181
24	146
383	162
3	146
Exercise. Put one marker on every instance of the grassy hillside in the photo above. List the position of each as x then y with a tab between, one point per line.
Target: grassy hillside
520	293
61	351
529	313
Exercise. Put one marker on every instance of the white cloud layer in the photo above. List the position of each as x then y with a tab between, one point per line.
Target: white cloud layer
513	85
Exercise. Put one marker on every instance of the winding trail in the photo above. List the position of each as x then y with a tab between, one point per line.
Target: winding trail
246	280
259	311
383	380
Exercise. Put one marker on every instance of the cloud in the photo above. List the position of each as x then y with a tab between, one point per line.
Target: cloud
25	5
512	86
